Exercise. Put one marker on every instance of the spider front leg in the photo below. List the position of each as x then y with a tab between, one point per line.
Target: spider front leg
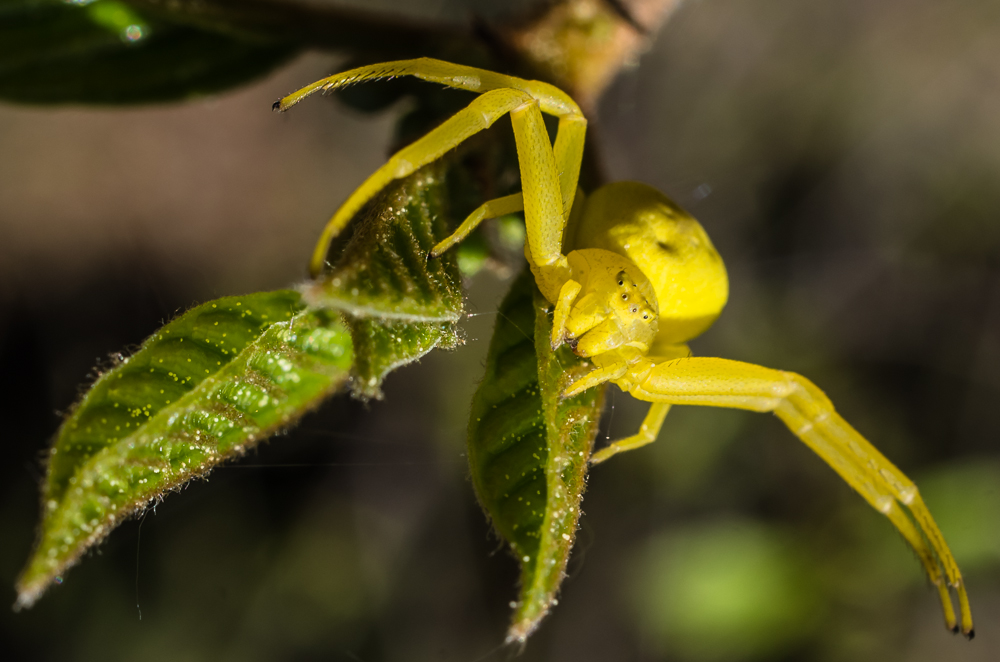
810	415
548	185
549	172
477	116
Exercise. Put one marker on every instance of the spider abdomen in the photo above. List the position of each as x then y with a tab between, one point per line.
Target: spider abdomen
669	246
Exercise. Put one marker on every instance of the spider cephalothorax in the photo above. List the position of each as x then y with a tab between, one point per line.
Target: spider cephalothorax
615	305
640	279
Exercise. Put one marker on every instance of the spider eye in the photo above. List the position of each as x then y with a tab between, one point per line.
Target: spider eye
624	297
645	316
621	282
634	309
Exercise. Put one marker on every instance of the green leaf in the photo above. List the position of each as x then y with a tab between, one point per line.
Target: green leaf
399	304
229	373
384	271
106	52
383	346
203	389
528	449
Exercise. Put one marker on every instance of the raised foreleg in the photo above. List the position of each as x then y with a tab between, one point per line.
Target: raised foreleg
477	116
549	177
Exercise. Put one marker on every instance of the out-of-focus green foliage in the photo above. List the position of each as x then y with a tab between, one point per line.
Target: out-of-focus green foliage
730	590
104	51
965	499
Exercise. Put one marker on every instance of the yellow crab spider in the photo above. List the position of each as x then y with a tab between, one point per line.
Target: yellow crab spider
640	279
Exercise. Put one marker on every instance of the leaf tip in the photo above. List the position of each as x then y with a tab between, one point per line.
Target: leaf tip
27	595
517	637
521	629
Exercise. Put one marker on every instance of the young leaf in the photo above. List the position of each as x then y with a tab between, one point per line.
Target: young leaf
383	346
528	449
399	304
384	271
106	52
201	390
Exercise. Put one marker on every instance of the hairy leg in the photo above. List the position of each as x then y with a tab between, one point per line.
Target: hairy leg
543	211
477	116
810	415
568	152
554	101
563	163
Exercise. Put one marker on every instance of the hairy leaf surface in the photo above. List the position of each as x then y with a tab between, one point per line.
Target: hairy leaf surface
528	449
201	390
399	304
229	373
384	271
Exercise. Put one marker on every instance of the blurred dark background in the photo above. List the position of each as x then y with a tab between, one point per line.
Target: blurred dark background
845	159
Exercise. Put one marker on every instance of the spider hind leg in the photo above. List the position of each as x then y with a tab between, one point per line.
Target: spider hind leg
810	415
